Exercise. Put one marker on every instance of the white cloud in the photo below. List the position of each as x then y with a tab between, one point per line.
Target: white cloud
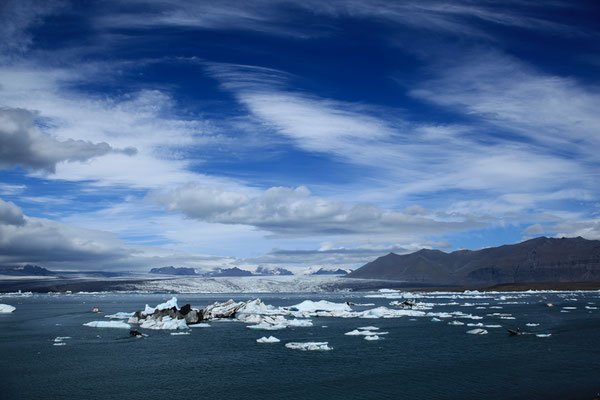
10	214
23	143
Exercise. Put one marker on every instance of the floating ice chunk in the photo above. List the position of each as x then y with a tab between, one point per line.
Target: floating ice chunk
369	328
267	327
543	335
507	318
200	325
477	324
120	315
570	308
59	344
477	331
372	337
270	339
5	308
456	323
591	308
108	324
179	333
59	339
356	332
492	326
162	306
532	324
299	322
309	346
166	323
434	319
322	305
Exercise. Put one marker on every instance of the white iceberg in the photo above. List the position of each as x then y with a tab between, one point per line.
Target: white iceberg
162	306
543	335
372	337
357	332
369	328
5	308
309	306
478	331
108	324
166	323
309	346
59	344
270	339
434	319
179	333
200	325
120	315
456	323
532	324
61	338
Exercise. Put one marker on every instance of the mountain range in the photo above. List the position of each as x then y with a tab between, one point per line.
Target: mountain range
536	260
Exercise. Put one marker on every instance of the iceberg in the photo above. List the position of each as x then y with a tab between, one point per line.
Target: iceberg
369	328
59	344
532	324
270	339
309	346
162	306
166	323
478	331
543	335
357	332
119	315
372	337
61	338
200	325
309	306
179	333
456	323
108	324
5	308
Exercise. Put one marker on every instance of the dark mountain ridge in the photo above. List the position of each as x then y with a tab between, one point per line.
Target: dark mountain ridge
536	260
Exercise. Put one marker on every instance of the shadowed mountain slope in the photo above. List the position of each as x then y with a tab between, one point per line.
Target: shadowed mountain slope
537	260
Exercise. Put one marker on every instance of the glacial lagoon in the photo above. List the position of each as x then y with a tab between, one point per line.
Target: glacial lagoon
451	346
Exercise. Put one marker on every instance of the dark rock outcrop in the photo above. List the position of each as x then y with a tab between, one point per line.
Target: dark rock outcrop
537	260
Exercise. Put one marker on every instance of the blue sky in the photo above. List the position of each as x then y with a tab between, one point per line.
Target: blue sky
149	133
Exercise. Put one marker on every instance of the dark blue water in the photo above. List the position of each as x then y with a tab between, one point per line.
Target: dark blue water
418	359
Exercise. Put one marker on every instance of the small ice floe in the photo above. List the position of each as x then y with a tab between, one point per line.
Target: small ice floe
59	344
565	311
309	346
372	337
357	332
309	306
455	322
477	324
119	315
369	328
543	335
179	333
477	331
591	308
569	308
59	339
434	319
270	339
492	326
5	308
480	308
532	324
506	317
496	307
200	325
108	324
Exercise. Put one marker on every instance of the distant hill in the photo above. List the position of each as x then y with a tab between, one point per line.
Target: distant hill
235	271
272	271
173	271
324	271
537	260
25	270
